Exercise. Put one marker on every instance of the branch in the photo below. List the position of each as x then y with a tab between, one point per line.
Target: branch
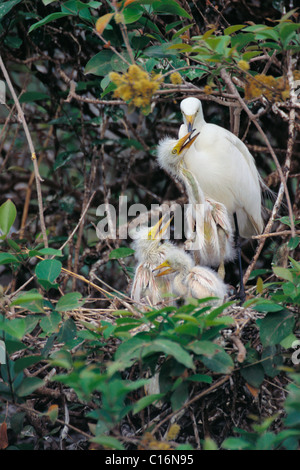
38	178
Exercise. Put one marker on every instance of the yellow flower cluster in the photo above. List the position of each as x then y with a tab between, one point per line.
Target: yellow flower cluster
175	78
274	89
150	443
136	86
243	64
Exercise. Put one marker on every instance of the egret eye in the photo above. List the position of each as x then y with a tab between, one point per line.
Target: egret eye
174	151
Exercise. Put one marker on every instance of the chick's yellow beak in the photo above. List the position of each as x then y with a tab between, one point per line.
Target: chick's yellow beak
185	142
157	231
166	269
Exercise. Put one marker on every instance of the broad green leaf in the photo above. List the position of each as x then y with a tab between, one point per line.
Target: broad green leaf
170	7
207	348
132	14
233	29
7	258
15	327
99	64
253	374
26	361
121	252
31	96
61	358
283	273
169	348
30	300
275	326
48	270
236	443
220	362
108	441
50	323
8	215
47	19
146	401
29	385
69	302
5	7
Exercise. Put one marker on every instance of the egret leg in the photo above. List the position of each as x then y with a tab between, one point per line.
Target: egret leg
241	294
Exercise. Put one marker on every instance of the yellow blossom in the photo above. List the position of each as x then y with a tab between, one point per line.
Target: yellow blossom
175	78
136	87
173	432
243	64
208	90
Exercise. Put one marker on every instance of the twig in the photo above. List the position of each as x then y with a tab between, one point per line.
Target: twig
275	234
253	118
38	178
192	400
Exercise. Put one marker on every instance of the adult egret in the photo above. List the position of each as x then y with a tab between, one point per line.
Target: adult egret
198	282
225	170
209	231
149	252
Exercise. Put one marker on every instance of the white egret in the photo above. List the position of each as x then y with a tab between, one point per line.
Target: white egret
198	282
209	231
225	171
149	252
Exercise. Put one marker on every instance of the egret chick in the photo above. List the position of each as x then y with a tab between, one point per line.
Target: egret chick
209	231
198	282
149	252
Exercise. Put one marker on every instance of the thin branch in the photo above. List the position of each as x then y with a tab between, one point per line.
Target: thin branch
38	178
253	118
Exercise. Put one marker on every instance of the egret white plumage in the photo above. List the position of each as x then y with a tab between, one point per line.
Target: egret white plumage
198	282
209	231
149	252
225	170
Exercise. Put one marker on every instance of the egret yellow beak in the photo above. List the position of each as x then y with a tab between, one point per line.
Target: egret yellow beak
164	265
190	118
185	142
157	231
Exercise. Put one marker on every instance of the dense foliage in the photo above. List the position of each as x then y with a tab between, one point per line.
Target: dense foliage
97	85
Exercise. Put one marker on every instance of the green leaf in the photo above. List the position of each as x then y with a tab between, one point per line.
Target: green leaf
236	443
47	19
283	273
207	348
253	374
8	215
69	302
232	29
169	7
48	270
31	96
121	252
132	14
275	327
32	300
100	64
169	348
146	401
220	362
7	6
61	358
50	323
7	258
108	441
27	361
29	385
15	327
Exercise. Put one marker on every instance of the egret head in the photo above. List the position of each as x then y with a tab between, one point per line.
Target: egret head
192	113
147	242
177	261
